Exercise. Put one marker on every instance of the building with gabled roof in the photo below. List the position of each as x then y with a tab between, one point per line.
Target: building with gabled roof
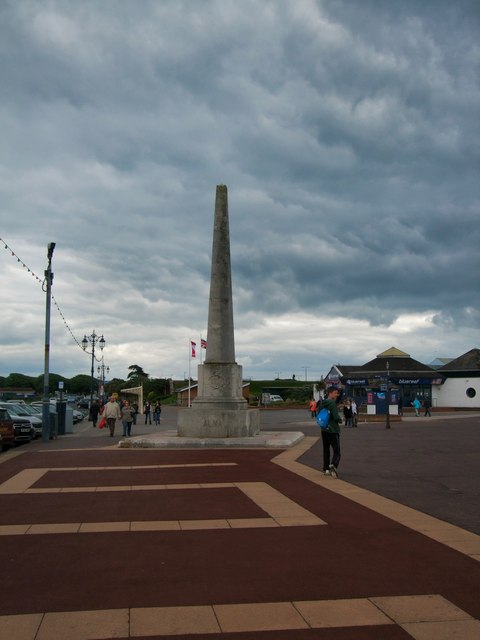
455	384
462	382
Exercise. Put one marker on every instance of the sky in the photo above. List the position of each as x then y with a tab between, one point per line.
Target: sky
346	132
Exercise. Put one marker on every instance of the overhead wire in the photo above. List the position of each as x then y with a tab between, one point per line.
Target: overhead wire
41	281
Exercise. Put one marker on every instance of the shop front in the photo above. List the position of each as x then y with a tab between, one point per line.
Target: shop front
392	379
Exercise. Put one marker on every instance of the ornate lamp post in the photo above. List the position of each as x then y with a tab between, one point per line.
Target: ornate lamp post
93	340
101	369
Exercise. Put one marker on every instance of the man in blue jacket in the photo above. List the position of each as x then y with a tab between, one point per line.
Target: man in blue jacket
331	435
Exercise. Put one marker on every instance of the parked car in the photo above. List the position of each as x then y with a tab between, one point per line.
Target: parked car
6	430
77	416
37	407
23	430
24	411
275	398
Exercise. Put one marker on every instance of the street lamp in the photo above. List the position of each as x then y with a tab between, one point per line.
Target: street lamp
93	340
47	287
387	423
101	369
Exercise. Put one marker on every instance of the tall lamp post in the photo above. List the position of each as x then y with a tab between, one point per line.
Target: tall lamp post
387	421
47	287
101	369
93	339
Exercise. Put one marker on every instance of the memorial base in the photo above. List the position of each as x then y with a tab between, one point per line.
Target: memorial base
210	421
220	410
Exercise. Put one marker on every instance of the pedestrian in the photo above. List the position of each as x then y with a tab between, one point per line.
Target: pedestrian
313	407
416	405
331	435
135	412
157	411
400	406
94	411
111	413
426	405
347	413
147	411
127	419
354	413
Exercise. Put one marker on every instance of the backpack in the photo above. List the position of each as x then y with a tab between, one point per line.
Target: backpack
323	418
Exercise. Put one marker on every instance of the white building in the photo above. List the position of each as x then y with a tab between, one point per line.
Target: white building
461	388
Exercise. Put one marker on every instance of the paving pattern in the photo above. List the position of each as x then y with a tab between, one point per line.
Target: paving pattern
221	543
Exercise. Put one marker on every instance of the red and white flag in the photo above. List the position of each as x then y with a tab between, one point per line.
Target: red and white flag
203	343
193	346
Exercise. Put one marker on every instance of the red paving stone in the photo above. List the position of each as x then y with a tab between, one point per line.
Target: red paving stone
358	554
387	632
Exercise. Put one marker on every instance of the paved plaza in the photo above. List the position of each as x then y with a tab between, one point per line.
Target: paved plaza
102	542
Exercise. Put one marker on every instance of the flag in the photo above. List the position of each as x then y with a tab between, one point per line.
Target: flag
203	343
193	346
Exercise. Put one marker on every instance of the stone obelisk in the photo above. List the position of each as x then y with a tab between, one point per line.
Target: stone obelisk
219	410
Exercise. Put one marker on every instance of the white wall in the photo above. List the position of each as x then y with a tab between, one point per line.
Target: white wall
452	393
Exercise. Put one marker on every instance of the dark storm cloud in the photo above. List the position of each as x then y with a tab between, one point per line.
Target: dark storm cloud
346	132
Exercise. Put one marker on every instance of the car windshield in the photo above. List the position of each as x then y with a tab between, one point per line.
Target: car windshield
35	409
11	408
29	410
20	410
39	410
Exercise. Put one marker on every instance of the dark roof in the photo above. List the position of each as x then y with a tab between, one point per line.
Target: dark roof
348	368
469	361
395	364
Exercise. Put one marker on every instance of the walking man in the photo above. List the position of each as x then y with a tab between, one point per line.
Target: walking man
94	411
426	405
111	413
354	413
331	435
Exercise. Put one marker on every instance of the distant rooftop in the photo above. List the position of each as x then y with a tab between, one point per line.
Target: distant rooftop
469	361
393	352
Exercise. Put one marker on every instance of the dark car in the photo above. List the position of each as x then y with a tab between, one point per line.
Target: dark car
6	430
23	430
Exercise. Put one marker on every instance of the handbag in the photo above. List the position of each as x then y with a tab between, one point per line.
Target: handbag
101	424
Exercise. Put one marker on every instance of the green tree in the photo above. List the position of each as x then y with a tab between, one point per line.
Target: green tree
53	380
137	373
79	384
20	380
115	385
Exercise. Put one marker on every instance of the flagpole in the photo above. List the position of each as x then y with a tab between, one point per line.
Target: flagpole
189	366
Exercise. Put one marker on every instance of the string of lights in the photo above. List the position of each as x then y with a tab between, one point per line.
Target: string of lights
41	281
